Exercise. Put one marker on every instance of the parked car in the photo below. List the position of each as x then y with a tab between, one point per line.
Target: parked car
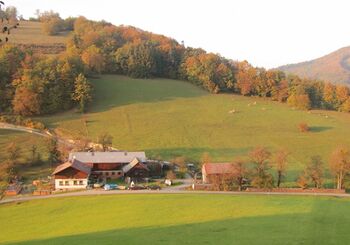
154	187
137	187
109	187
98	185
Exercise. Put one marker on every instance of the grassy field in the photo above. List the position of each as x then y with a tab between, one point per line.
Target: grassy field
30	32
25	141
168	118
177	219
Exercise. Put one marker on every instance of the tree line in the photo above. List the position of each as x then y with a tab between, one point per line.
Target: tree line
105	48
33	84
265	170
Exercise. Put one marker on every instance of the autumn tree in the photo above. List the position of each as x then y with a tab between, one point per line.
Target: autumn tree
245	77
299	101
170	175
82	92
303	127
280	163
329	96
26	102
93	59
340	165
302	181
261	176
13	152
52	23
314	171
105	140
342	94
181	163
239	173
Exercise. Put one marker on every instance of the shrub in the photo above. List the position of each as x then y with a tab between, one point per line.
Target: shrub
303	127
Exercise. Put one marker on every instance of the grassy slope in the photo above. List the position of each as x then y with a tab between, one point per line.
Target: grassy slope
30	33
25	141
334	67
169	118
177	219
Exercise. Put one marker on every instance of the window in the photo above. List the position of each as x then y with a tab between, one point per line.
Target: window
107	173
75	182
81	182
66	182
119	173
113	173
60	183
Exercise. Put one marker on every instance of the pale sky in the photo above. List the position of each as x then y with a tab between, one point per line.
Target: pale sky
267	33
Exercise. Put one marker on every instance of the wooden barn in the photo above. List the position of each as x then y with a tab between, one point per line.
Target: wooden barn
210	170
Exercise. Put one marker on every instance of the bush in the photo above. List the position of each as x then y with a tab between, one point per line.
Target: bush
303	127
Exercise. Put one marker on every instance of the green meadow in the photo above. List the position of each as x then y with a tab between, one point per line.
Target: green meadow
177	219
169	118
25	141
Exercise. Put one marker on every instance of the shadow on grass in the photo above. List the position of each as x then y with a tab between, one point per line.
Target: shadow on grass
318	129
112	91
297	228
116	90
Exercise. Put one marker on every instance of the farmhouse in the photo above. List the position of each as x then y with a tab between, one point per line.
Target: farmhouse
82	166
71	175
210	170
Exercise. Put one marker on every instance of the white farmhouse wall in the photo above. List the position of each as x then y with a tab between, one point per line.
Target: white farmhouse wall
71	185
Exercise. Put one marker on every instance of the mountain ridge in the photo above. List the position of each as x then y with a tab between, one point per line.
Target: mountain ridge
333	67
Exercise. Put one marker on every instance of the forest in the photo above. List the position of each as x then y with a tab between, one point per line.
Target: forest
36	84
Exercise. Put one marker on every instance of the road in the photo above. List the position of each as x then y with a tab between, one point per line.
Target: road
42	133
168	190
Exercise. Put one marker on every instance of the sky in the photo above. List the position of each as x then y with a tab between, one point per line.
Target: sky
267	33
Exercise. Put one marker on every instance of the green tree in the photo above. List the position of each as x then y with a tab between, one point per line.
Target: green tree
82	92
53	151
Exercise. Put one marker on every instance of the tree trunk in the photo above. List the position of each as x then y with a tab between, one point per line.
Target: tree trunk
279	179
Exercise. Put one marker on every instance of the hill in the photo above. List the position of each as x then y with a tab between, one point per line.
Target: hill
29	34
334	67
169	118
177	219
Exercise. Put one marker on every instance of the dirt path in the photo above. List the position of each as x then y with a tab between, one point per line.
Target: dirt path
43	133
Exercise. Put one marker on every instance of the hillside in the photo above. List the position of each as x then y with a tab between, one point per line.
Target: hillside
25	142
169	118
29	34
177	219
334	67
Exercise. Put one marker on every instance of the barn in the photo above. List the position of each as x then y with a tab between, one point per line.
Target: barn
210	170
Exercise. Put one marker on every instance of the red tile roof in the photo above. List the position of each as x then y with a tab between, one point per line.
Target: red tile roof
218	168
75	164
